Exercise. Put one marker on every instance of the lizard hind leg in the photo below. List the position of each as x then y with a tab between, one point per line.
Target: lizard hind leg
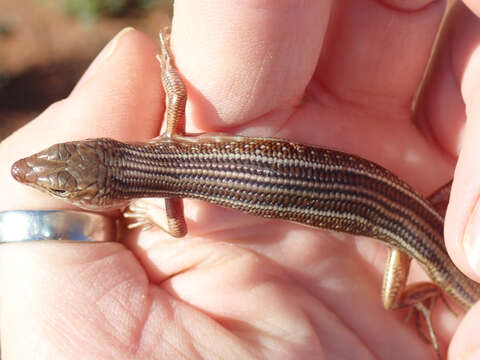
421	298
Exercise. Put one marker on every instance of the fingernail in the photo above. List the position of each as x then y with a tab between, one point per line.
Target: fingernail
471	240
102	57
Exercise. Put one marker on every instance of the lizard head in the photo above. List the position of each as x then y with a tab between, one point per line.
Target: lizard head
72	171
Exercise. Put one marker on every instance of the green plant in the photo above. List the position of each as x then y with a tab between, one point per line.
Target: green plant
5	29
91	9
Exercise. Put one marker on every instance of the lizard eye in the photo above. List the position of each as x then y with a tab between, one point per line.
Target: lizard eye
61	183
58	191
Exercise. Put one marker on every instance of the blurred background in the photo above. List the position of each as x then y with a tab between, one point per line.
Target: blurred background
46	45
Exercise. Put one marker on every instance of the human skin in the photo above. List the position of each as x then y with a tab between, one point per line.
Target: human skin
339	74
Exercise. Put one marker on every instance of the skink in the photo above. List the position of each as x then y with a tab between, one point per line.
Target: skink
267	177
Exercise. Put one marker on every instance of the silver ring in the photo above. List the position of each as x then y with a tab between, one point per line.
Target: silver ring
34	225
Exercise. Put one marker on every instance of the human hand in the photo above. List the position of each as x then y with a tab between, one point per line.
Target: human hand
236	286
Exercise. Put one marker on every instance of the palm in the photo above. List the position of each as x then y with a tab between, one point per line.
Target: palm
269	282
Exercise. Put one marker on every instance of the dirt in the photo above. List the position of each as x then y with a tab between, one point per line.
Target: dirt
44	51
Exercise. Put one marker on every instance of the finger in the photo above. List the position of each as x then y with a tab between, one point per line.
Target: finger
247	60
376	52
120	97
465	343
473	6
441	108
243	79
462	226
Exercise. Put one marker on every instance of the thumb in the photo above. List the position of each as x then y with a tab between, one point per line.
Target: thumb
462	223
